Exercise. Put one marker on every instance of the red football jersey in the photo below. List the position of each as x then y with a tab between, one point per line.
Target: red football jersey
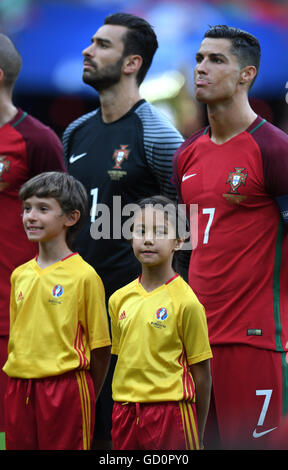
27	148
239	262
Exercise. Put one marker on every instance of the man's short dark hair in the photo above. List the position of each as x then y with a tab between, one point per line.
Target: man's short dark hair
140	39
10	61
244	45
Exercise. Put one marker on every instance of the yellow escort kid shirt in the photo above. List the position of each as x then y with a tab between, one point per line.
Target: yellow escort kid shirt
57	316
156	336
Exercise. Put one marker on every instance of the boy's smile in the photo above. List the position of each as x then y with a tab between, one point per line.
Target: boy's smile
43	219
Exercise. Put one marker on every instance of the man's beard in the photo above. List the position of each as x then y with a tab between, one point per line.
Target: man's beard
104	79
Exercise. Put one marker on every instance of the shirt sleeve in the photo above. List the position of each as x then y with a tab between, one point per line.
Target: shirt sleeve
96	313
12	301
44	148
115	333
161	140
273	144
195	332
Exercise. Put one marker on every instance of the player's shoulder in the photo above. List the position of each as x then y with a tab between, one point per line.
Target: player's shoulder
267	135
182	292
153	118
177	283
79	122
190	140
124	291
22	268
32	128
79	268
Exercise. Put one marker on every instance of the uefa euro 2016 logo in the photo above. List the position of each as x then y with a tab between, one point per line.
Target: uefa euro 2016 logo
57	291
162	313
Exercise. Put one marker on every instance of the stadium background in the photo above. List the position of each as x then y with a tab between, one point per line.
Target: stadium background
50	35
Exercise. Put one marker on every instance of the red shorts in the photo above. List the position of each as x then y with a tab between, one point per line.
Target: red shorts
54	413
250	396
3	377
154	426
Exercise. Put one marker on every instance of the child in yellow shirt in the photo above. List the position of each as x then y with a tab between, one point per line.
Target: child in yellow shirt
59	345
161	384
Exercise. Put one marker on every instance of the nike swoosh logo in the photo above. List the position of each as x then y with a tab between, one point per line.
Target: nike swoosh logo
185	177
257	434
73	157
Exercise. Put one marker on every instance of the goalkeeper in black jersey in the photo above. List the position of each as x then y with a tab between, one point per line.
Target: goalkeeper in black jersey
122	151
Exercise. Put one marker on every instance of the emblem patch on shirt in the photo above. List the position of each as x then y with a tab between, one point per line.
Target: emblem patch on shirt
235	179
119	156
4	165
57	291
4	168
162	313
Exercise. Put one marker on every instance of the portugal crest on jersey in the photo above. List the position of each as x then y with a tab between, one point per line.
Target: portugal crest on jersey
120	155
235	179
4	165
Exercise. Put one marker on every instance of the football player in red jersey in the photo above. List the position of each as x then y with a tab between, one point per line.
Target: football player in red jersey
235	171
27	148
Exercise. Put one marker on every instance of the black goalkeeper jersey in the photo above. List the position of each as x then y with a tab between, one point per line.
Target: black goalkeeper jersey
118	163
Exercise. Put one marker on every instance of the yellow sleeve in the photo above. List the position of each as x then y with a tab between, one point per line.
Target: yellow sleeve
13	310
195	332
114	325
96	312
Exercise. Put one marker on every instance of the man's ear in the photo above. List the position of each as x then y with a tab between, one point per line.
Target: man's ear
72	218
132	63
247	74
1	75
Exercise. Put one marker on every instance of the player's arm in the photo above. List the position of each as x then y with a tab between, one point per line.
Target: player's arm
96	322
99	364
273	144
203	382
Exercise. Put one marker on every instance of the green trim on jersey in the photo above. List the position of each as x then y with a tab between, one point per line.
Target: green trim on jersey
257	127
276	286
277	315
21	119
250	132
284	384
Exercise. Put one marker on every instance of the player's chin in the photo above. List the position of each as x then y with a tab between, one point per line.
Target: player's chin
201	96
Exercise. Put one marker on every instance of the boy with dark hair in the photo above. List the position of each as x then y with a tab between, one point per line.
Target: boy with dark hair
59	345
